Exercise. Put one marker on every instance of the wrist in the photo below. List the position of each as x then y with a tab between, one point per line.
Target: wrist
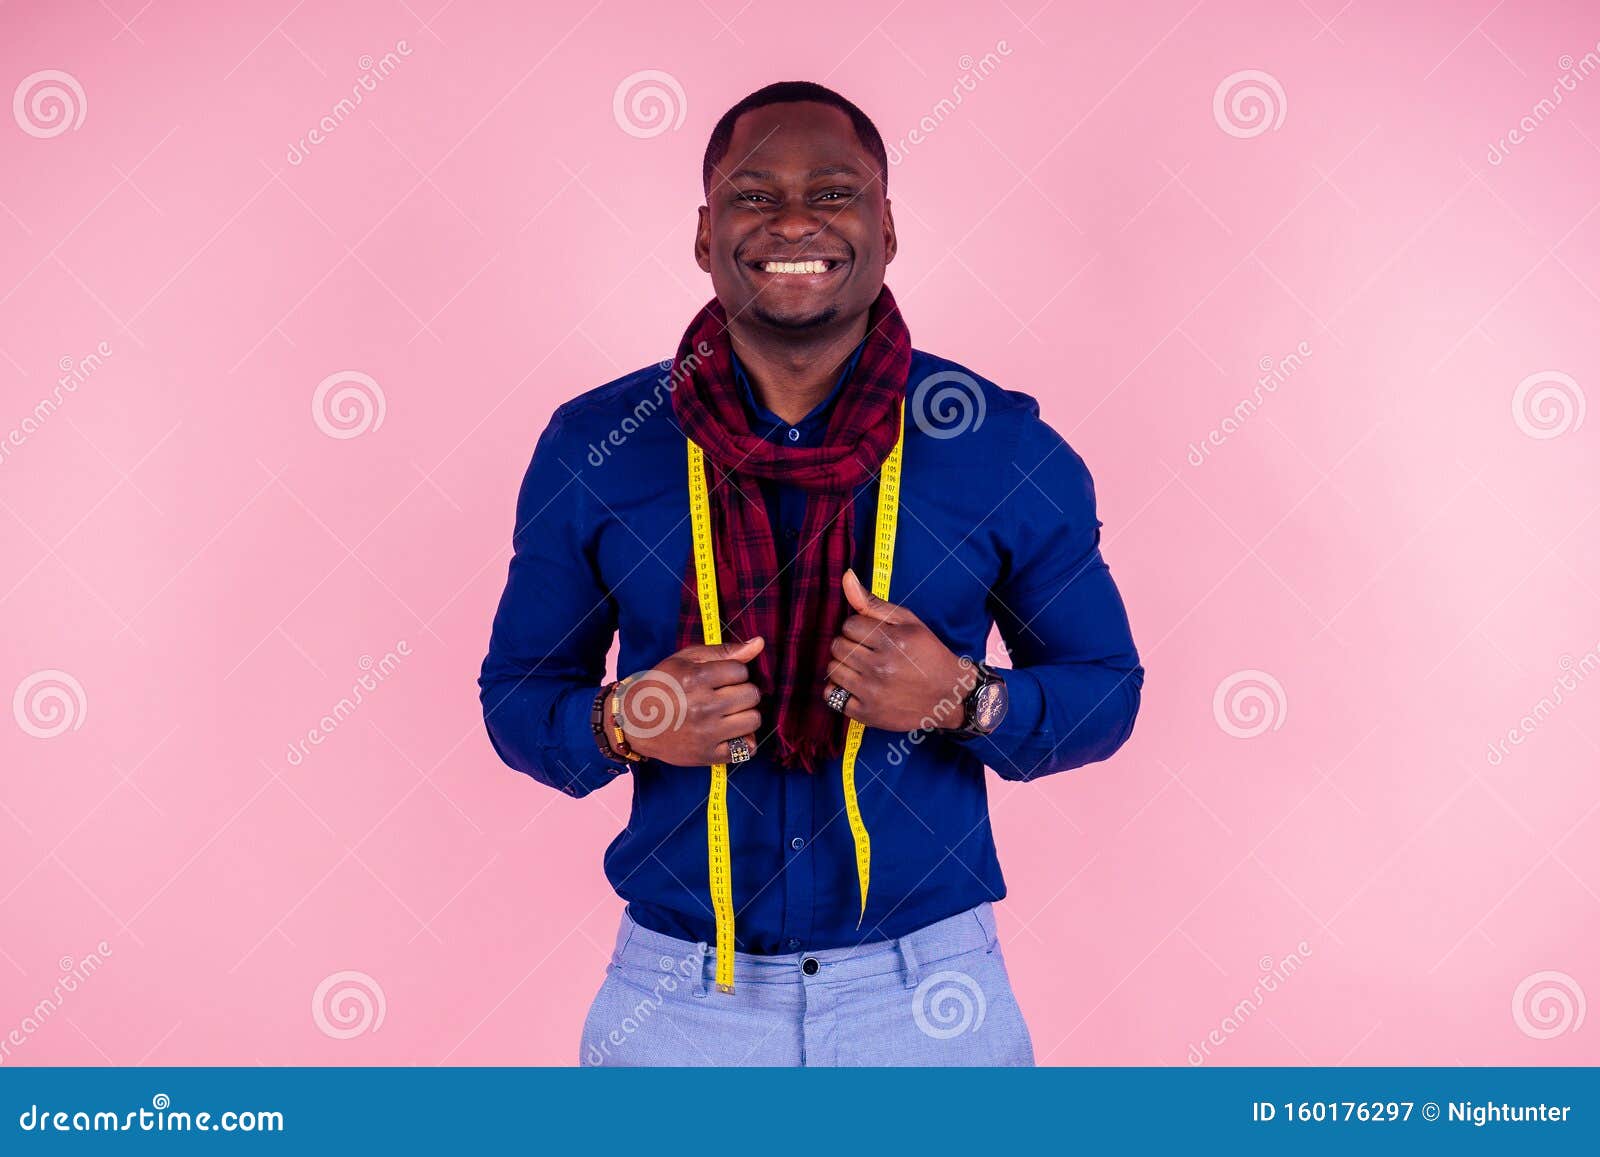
949	710
984	702
607	722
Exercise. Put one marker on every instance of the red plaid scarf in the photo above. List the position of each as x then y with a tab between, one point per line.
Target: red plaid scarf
791	669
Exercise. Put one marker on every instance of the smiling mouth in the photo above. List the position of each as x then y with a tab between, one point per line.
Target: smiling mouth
814	266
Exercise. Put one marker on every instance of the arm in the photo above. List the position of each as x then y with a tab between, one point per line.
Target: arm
552	630
1075	688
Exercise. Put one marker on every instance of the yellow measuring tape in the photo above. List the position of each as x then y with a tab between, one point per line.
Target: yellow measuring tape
711	624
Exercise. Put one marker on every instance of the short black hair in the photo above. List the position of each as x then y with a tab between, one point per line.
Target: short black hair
791	92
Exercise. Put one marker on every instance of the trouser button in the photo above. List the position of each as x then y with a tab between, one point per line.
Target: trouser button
810	965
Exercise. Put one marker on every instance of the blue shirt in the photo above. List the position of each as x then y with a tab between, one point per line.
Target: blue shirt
997	527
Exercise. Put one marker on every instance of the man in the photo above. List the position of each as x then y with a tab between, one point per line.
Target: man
808	864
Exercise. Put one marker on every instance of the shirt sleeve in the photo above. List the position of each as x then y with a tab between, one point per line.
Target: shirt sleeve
551	633
1076	680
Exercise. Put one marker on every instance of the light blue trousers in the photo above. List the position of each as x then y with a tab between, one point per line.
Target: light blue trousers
937	996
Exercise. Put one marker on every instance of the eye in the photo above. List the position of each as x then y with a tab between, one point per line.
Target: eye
845	194
752	197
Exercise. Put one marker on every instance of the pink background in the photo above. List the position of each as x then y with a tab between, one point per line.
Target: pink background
1385	537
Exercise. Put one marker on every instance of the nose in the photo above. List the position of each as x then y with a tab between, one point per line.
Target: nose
795	221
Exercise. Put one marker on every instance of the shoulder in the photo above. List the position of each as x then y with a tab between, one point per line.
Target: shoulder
649	387
636	407
949	403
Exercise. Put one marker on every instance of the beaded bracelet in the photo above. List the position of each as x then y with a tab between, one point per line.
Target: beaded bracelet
619	737
598	723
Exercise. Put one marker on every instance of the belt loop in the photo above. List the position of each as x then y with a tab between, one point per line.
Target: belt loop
908	955
700	988
985	914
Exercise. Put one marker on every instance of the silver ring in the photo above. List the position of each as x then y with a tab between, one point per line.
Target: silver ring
738	751
837	698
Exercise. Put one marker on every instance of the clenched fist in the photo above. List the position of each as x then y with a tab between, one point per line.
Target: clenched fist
899	675
685	709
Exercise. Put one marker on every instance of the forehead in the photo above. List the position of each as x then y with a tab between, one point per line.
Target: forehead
797	136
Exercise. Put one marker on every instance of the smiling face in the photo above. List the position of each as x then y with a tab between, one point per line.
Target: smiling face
796	229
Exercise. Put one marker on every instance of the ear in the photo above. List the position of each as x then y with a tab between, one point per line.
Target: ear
890	245
702	240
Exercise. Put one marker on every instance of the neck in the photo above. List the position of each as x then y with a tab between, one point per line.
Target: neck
790	375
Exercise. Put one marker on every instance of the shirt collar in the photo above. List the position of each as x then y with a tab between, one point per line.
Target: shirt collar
819	413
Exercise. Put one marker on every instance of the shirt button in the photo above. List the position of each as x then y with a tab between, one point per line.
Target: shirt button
797	843
810	965
794	942
794	435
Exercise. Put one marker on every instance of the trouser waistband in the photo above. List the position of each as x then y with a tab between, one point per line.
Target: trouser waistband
911	955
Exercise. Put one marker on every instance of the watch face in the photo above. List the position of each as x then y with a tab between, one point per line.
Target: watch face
989	706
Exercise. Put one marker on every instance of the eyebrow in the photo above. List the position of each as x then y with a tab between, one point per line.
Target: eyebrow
821	171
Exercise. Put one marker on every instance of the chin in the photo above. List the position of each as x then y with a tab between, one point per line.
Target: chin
809	320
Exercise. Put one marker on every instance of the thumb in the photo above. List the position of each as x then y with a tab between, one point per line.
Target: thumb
864	602
742	652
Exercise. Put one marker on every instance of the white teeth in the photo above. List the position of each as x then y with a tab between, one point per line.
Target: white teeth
795	267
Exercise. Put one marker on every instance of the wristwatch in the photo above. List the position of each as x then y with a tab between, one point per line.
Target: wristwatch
985	705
